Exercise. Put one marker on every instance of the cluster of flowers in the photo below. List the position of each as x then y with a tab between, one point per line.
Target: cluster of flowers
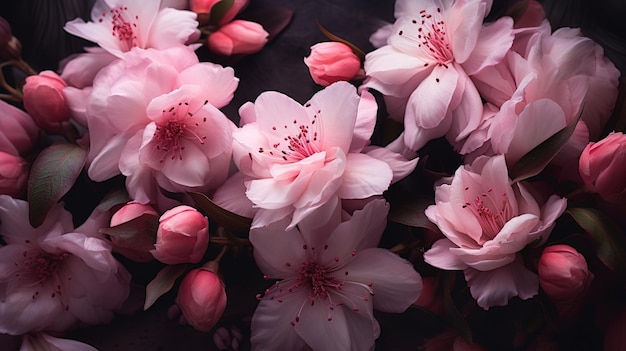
517	103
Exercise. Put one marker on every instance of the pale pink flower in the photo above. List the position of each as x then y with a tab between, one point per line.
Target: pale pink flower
55	276
331	62
183	236
424	71
238	37
19	133
153	116
330	279
487	220
295	159
45	342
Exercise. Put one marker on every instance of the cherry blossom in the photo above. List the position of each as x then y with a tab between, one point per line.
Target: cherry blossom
329	280
487	220
55	276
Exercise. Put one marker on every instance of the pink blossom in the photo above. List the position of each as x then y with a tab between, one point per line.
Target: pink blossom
295	159
331	62
202	298
120	25
183	236
205	6
329	280
13	175
602	166
55	276
45	102
238	37
424	70
153	117
487	220
19	133
45	342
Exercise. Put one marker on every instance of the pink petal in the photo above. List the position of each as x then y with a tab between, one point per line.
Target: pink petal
440	256
466	117
276	110
179	170
231	196
392	72
15	225
430	102
324	329
360	182
278	251
271	324
495	288
80	71
365	121
105	163
400	166
247	113
264	217
493	43
323	183
273	194
35	342
217	83
171	27
395	282
464	22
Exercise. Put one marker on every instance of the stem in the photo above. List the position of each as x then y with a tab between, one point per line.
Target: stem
221	240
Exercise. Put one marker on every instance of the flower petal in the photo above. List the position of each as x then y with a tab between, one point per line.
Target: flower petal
271	324
429	104
440	256
278	251
493	43
359	181
365	121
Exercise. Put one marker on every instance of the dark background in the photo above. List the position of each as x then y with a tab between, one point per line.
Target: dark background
38	24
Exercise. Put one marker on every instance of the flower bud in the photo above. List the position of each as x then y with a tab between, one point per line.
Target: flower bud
238	37
564	276
13	175
19	132
5	32
205	6
10	47
130	248
330	62
202	298
183	236
45	102
602	166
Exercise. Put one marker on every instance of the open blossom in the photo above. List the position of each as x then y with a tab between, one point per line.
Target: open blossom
153	116
330	279
296	159
55	276
424	71
487	220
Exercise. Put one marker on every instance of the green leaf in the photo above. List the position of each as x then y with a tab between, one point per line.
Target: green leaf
162	283
538	158
607	238
114	198
139	233
410	211
229	220
219	10
333	37
53	173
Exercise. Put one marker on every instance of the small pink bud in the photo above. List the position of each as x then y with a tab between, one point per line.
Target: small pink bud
330	62
202	298
602	166
238	37
564	276
19	132
45	102
13	175
127	247
183	236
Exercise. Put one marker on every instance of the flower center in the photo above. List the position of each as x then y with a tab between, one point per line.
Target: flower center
432	37
295	141
122	27
491	211
181	124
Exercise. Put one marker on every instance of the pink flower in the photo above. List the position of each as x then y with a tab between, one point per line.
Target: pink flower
424	70
205	6
564	276
331	62
19	133
183	236
487	221
238	37
602	166
329	280
296	159
45	102
13	175
55	276
127	247
202	298
45	342
120	25
153	117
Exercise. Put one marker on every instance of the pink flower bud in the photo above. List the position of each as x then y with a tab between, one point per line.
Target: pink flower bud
564	276
330	62
13	175
238	37
183	236
45	102
205	6
602	166
202	298
19	132
129	248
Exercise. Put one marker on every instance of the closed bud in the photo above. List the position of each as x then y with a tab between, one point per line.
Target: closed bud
602	166
13	175
130	248
331	62
202	298
45	102
19	132
238	37
183	236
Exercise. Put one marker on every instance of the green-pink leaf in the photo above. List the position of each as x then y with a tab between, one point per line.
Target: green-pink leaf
229	220
333	37
219	10
607	238
52	175
137	234
162	283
